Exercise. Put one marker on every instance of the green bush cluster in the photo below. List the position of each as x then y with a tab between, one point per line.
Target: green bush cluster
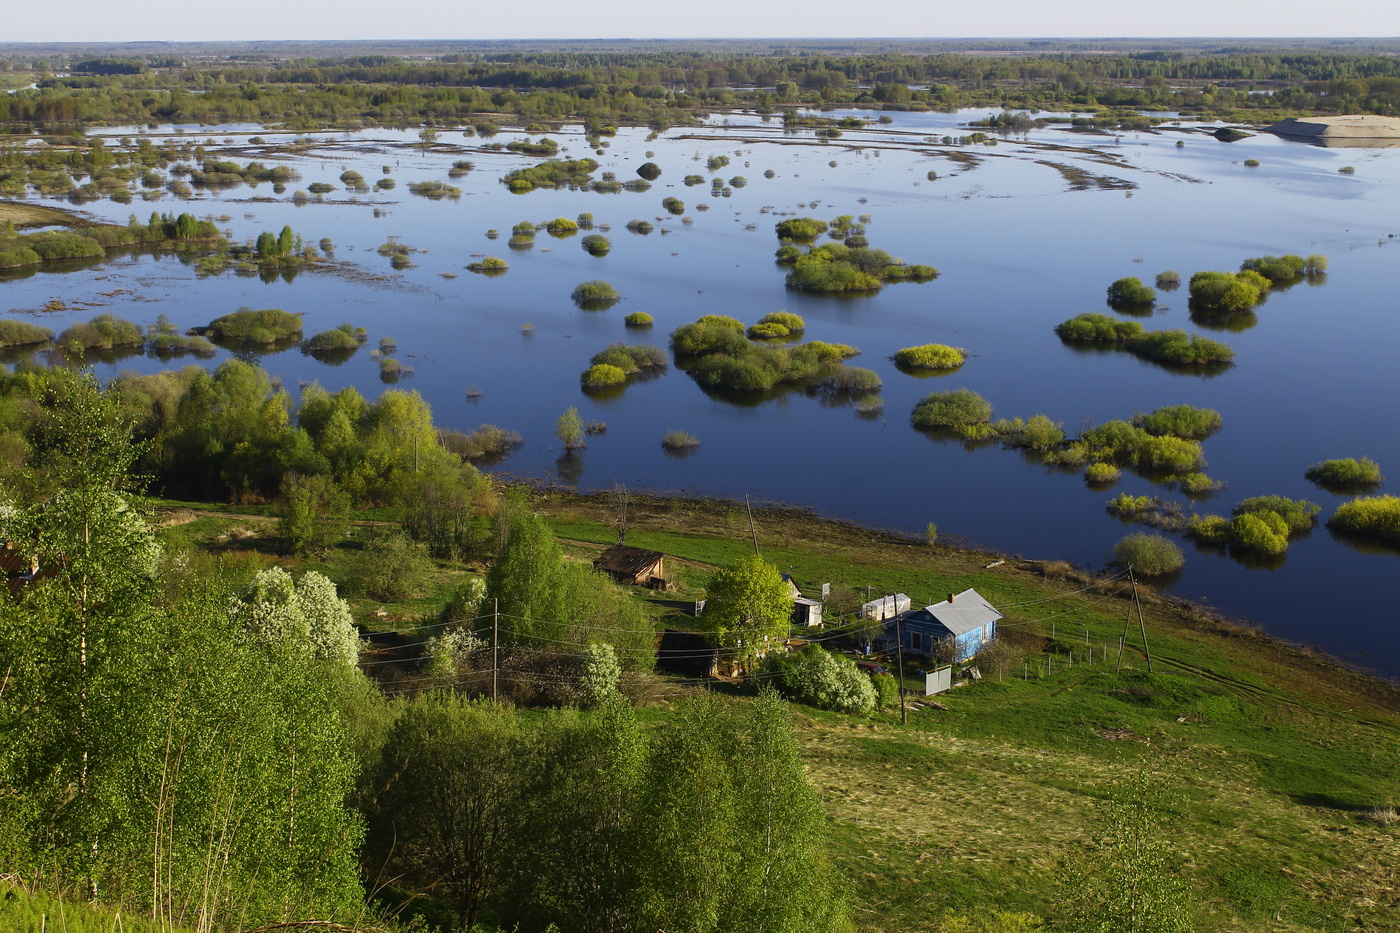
262	327
835	267
673	206
561	227
595	294
1227	292
1180	421
336	341
1346	472
1148	554
631	359
553	173
1369	516
1130	293
543	147
1260	525
602	375
595	244
1173	347
778	324
1092	327
1126	445
959	410
800	229
639	319
1038	433
489	265
15	333
104	332
485	442
720	357
1099	472
825	680
930	357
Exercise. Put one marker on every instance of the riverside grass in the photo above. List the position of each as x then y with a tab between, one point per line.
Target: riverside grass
992	803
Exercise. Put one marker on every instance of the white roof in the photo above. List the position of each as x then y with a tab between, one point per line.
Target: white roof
967	611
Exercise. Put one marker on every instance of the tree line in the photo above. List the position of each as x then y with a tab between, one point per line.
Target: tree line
188	737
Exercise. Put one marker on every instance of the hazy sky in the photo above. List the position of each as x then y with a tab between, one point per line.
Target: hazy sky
96	20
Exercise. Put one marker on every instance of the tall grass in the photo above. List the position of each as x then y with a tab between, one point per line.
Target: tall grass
930	357
960	410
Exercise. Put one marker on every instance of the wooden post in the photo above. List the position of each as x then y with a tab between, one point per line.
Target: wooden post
1142	624
899	653
495	644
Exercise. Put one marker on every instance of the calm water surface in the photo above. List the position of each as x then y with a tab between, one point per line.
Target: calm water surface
1019	251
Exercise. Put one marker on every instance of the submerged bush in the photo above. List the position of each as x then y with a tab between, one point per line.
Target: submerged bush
595	244
801	229
1101	473
104	332
22	334
1148	554
338	340
957	410
930	356
1223	291
595	293
1369	516
1297	514
1276	268
639	319
1092	327
603	375
631	359
1348	472
1129	292
1177	348
490	265
679	440
486	441
260	327
1181	421
778	324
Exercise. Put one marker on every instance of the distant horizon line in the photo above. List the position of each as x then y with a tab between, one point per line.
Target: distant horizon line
845	40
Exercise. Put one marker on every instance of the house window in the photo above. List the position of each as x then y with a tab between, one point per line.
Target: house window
916	641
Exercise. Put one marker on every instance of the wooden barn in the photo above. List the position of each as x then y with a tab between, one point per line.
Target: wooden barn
633	565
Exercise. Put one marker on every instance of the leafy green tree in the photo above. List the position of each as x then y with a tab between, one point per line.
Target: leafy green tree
451	773
569	429
314	514
1130	884
749	606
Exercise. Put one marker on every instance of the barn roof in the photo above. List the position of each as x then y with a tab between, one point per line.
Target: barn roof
960	614
622	559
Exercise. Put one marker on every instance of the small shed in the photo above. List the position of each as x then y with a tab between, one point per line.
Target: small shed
19	568
965	618
886	607
806	612
633	565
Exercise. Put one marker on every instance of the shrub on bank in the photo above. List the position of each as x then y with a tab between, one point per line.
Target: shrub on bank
1148	554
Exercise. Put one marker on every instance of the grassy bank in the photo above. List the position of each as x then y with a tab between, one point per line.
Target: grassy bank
1277	767
1275	770
26	215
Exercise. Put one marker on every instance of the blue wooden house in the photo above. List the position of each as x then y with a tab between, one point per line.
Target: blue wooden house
965	618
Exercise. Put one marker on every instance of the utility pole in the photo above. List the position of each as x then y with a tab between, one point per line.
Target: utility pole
752	530
495	644
899	652
1142	625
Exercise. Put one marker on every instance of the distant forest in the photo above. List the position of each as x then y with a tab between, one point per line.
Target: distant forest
662	84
